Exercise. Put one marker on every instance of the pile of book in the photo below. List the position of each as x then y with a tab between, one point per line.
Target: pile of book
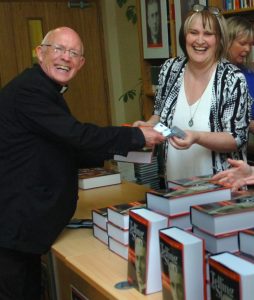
111	226
147	174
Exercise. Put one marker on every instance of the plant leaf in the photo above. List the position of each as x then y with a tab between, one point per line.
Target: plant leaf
121	2
131	14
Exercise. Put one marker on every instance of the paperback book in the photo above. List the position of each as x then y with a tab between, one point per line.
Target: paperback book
246	241
118	214
100	217
118	234
100	234
218	243
225	216
231	277
182	253
118	248
178	200
143	156
189	181
144	271
97	177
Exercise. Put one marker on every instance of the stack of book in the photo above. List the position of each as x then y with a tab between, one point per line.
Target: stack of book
175	203
147	174
118	226
219	223
100	220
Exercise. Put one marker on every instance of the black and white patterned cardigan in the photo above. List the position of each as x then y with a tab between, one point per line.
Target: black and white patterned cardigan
230	107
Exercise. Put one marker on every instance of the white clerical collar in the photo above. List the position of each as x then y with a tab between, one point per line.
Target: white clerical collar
64	89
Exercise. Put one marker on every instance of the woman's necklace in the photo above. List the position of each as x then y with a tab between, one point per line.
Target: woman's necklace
191	121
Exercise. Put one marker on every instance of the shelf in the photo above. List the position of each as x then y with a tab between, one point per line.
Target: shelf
238	11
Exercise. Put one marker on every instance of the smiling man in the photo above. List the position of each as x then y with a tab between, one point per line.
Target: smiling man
41	148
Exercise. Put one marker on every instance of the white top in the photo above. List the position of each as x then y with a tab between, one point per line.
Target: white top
196	160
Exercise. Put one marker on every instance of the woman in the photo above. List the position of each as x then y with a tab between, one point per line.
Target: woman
241	37
206	96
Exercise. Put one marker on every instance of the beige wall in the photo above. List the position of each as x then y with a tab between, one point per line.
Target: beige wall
123	64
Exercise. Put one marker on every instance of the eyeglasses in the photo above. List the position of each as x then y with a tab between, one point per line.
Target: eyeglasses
60	50
212	9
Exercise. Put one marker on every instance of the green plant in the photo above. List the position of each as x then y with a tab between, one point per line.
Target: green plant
131	13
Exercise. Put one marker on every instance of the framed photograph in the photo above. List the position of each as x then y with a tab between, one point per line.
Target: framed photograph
154	28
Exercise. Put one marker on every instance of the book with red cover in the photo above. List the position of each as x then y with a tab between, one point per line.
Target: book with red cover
178	200
100	234
225	216
144	270
118	214
183	265
118	248
231	277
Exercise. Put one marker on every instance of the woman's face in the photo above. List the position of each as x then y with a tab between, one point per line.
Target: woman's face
239	49
201	42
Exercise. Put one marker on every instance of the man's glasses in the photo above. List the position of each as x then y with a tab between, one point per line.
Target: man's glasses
212	9
60	50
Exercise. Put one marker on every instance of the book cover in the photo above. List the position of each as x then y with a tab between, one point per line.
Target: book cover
118	214
143	156
100	217
189	181
118	234
181	253
231	277
219	243
97	177
144	270
178	200
118	248
225	216
246	241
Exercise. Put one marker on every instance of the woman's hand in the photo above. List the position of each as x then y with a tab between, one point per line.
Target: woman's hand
240	174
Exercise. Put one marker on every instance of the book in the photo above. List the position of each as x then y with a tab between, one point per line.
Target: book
97	177
219	243
225	216
143	156
144	271
246	241
118	248
100	234
189	181
118	214
182	256
182	221
231	277
178	200
118	234
100	217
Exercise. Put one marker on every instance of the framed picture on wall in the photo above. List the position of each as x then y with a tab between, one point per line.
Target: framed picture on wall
154	28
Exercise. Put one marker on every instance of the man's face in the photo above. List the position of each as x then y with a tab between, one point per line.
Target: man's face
55	59
153	18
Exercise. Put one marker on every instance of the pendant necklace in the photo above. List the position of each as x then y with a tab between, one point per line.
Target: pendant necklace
191	121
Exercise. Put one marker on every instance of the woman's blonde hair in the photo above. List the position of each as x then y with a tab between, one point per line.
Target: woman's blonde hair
216	22
239	27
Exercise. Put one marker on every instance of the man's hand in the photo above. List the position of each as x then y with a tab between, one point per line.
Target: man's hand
152	137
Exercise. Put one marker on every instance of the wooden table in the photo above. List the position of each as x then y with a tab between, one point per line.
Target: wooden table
86	263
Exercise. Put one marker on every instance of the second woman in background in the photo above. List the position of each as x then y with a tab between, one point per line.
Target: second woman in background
206	96
241	37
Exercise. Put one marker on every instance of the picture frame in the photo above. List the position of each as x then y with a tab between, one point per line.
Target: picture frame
155	45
